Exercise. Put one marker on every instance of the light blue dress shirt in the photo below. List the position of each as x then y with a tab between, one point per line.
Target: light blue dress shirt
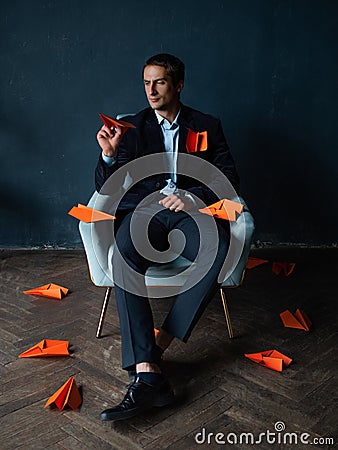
170	133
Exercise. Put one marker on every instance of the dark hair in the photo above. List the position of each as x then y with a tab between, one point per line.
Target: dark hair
175	67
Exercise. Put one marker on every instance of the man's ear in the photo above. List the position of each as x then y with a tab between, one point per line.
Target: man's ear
180	86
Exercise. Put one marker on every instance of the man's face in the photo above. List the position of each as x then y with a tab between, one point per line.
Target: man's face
160	90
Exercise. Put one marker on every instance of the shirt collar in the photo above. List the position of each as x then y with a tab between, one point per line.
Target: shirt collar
167	125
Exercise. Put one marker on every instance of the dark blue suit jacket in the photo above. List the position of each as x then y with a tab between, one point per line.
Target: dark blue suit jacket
147	139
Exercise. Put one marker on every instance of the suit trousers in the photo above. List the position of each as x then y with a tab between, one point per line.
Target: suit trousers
144	236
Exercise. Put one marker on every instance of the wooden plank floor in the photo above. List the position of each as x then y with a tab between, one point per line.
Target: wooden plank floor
218	389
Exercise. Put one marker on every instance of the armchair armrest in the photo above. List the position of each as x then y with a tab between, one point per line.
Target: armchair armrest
98	239
242	228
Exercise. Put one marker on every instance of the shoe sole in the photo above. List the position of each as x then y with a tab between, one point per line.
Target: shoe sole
164	401
160	403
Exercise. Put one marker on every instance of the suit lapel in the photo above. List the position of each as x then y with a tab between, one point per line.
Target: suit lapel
186	122
153	135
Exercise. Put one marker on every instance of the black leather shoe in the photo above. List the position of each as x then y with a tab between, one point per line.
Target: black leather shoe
132	377
140	397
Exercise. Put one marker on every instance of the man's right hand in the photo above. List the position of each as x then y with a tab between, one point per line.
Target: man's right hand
109	140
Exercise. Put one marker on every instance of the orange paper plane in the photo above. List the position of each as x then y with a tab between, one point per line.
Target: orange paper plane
254	262
112	123
299	320
271	359
89	215
68	394
196	142
283	267
224	209
47	347
50	290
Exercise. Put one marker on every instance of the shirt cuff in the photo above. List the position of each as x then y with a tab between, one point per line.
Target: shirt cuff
108	160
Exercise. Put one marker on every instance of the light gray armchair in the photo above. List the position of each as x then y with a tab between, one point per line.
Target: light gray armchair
98	242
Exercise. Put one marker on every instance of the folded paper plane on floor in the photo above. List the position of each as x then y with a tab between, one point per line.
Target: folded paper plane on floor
68	394
49	290
112	123
299	320
88	215
283	267
254	262
47	347
270	358
196	141
224	209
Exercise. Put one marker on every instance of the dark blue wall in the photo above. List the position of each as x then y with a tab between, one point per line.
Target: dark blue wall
267	68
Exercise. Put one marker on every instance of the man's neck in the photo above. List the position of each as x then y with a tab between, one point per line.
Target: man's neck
171	114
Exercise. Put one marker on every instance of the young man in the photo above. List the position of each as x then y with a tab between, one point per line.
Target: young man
174	201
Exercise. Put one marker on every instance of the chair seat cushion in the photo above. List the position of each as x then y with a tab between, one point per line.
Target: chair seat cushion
175	273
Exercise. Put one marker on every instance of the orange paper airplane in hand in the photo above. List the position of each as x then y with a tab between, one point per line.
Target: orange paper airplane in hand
112	123
47	347
271	359
89	215
224	209
299	320
50	290
285	267
196	141
68	394
254	262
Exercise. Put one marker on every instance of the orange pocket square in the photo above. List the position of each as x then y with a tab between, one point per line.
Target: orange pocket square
196	141
112	123
68	394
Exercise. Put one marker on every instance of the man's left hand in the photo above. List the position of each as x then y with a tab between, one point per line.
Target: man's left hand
176	203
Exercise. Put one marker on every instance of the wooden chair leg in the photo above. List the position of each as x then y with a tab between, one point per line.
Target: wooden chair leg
103	312
227	315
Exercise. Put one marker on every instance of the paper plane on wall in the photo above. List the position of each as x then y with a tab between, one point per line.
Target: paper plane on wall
89	215
112	123
224	209
68	394
50	290
299	320
271	359
196	141
47	347
254	262
283	267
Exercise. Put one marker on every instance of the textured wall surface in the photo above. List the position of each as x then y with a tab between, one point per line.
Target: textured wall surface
267	68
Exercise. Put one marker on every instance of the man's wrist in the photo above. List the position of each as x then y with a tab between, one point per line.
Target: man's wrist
109	160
